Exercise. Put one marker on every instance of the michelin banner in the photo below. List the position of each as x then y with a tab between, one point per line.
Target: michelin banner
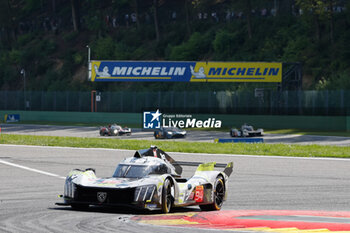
170	71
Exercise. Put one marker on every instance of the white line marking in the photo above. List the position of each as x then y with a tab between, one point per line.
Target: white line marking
31	169
185	153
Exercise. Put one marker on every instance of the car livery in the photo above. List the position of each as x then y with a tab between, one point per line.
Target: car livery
246	131
114	130
150	180
169	132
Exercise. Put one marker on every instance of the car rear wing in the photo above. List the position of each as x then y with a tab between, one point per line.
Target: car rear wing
183	163
228	167
153	151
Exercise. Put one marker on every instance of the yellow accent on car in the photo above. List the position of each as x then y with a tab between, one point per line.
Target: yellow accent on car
206	167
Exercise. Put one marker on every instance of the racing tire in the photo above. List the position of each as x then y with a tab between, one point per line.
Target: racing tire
167	198
79	206
103	133
219	195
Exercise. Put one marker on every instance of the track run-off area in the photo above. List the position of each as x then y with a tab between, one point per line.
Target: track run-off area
265	194
192	135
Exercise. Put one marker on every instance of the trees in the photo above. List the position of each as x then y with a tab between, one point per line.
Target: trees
187	16
244	6
248	13
6	20
155	18
239	33
319	10
75	4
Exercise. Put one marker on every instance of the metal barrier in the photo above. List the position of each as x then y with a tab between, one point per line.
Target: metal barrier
239	140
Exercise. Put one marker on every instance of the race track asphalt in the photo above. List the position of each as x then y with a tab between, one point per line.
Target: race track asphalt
32	177
193	135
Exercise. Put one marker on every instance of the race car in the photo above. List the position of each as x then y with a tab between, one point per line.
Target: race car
246	131
169	132
114	130
149	180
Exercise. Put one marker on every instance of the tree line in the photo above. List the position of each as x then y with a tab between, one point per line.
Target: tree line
48	37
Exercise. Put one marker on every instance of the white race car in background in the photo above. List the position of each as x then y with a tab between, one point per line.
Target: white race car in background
246	131
114	130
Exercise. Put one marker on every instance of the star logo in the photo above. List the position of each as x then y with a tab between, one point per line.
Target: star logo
156	115
152	120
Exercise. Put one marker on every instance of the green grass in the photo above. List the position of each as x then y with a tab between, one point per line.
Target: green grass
309	132
91	124
287	131
177	146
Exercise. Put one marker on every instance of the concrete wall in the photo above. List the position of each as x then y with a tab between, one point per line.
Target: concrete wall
325	123
76	117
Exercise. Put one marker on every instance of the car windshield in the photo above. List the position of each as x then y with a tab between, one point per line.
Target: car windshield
248	127
138	171
174	129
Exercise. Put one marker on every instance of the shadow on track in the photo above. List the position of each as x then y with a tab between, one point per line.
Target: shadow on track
125	210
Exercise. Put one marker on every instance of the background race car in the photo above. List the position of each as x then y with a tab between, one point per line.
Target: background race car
150	180
169	132
114	130
246	131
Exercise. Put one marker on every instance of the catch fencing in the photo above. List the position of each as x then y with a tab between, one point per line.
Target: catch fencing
262	102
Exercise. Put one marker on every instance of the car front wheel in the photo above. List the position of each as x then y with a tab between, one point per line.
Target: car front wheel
167	198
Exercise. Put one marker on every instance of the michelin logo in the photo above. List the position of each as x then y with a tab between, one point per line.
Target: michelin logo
199	74
152	120
12	117
104	73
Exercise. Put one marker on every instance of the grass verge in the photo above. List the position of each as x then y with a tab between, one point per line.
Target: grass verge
287	131
177	146
91	124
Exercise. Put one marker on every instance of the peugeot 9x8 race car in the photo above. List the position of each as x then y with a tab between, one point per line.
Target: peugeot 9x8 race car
150	180
169	132
246	131
114	130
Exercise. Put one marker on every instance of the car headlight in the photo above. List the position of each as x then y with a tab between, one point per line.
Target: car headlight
170	133
144	193
69	189
115	131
